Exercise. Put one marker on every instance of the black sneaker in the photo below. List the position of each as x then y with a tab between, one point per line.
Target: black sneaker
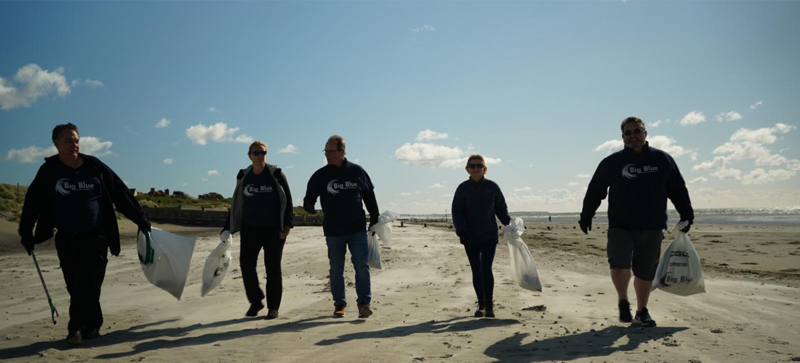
272	314
481	311
88	334
625	312
74	338
254	309
643	318
489	309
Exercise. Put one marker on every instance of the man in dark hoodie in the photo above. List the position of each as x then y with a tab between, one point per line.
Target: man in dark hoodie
342	186
638	180
76	194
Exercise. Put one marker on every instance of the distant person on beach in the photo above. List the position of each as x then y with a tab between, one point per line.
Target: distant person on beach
342	186
76	194
476	203
261	211
639	180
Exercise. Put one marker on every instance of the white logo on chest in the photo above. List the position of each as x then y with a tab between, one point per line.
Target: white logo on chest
631	171
334	186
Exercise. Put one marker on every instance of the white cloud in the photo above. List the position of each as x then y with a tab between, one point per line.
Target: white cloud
693	118
34	82
446	195
289	149
184	184
763	135
204	180
755	105
717	163
164	122
435	156
572	184
699	179
424	28
213	172
212	109
243	139
93	83
470	147
694	156
611	146
168	161
289	167
437	185
655	124
30	154
728	173
759	176
404	194
431	135
583	176
88	145
729	116
218	132
666	144
523	189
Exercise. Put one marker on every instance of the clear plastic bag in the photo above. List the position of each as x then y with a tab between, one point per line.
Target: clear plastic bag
165	259
374	250
384	226
216	267
679	271
523	267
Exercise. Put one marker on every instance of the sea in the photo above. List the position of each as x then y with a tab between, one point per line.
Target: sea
775	216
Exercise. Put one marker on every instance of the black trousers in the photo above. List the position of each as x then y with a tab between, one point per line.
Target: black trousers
83	259
481	257
254	239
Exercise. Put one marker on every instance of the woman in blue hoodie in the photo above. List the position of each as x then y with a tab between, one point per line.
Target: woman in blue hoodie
476	203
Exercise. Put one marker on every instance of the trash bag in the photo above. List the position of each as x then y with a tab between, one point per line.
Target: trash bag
523	267
165	259
384	226
216	267
374	250
679	270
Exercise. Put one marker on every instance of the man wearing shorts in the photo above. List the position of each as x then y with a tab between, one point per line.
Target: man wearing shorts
638	180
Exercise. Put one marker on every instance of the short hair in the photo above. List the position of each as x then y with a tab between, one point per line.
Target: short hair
339	141
256	143
60	128
476	156
632	120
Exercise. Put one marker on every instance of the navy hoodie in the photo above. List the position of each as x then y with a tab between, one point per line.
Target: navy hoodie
341	190
638	186
474	208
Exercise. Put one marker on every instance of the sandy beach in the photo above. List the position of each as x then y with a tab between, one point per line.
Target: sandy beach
423	302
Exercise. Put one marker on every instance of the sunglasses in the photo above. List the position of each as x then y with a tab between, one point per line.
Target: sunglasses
634	131
330	151
475	166
258	152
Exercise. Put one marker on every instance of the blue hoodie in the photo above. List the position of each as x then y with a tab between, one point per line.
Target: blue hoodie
474	208
638	185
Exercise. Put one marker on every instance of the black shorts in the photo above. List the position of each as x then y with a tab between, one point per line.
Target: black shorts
636	250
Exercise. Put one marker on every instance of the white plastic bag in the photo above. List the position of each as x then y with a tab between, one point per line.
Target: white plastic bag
165	259
384	226
374	250
679	271
523	267
216	267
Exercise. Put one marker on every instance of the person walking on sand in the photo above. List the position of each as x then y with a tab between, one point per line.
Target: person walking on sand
261	210
342	186
76	194
638	179
475	204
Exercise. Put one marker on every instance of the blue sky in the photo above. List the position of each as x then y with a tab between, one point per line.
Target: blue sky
170	94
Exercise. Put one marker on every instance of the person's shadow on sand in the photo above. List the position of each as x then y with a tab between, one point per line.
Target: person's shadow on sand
429	327
562	348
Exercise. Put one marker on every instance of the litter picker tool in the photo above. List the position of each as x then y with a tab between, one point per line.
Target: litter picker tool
53	310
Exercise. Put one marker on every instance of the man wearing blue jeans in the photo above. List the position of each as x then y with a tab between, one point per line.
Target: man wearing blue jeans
342	186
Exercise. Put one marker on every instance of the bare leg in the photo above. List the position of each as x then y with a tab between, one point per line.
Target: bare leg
621	277
642	289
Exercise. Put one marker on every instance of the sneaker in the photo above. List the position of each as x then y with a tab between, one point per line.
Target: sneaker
74	338
489	309
254	309
625	312
479	313
643	318
339	310
272	314
88	334
364	311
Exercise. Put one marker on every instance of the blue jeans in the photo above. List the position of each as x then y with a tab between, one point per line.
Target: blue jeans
337	248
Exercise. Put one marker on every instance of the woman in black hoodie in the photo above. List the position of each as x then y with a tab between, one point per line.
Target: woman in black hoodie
476	203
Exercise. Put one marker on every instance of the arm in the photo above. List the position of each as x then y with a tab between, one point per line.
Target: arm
372	206
312	193
32	209
595	193
679	195
500	208
459	212
288	217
